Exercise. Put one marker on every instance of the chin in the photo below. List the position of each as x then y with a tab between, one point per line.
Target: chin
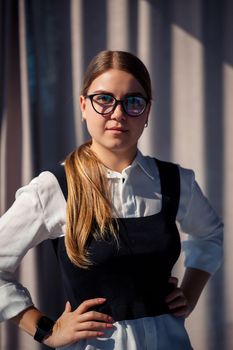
116	145
120	147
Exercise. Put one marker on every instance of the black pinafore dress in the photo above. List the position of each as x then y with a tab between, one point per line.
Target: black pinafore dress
132	274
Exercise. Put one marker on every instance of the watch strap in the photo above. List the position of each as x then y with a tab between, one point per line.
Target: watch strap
44	328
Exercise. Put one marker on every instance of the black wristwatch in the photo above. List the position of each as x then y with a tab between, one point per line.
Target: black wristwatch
43	328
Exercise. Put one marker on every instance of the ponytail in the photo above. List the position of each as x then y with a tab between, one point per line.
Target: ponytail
88	204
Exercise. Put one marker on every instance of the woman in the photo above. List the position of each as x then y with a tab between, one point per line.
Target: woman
116	239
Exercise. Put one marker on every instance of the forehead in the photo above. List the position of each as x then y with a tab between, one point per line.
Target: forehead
117	82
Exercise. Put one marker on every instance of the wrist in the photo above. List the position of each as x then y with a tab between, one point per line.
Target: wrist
192	285
44	328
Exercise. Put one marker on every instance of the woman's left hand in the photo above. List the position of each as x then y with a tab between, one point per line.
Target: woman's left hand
176	300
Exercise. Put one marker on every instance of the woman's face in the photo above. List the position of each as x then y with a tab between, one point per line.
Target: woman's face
116	131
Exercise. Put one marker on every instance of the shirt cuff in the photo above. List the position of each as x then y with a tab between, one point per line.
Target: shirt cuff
14	299
202	255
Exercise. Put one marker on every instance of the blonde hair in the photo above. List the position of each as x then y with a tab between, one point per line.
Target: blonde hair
88	203
89	208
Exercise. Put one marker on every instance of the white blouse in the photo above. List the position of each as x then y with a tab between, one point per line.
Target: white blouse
39	213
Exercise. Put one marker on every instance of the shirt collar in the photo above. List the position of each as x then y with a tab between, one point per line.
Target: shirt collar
141	161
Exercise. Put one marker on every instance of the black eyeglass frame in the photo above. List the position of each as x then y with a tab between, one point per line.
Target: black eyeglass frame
121	102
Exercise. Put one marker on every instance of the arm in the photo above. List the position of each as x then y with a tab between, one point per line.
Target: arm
203	249
37	214
183	299
70	326
203	244
193	283
27	320
21	228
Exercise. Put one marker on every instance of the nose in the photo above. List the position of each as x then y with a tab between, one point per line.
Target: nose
118	113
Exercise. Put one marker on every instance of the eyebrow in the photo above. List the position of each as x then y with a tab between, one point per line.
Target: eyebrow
135	93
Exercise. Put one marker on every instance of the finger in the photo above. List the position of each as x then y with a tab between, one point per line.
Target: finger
173	280
180	302
95	316
181	312
176	293
88	334
68	307
87	304
94	326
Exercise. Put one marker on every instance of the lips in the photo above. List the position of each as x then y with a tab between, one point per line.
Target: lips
116	128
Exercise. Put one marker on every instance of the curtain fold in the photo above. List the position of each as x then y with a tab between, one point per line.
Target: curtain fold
187	46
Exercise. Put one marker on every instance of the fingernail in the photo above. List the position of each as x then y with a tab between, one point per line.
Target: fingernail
100	300
109	325
110	319
100	334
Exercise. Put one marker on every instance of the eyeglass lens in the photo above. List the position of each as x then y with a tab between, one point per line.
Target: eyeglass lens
133	105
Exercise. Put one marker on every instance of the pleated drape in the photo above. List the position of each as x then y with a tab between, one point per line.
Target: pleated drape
187	46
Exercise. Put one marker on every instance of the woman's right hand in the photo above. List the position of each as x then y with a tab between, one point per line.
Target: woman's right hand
81	323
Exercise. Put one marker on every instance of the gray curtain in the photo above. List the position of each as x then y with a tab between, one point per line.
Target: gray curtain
187	46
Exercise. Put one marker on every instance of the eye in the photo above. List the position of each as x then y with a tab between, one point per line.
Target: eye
135	101
104	99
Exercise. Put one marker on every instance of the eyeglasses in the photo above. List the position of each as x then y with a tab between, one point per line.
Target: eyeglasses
105	104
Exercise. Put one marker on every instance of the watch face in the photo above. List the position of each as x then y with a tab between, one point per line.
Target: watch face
44	328
45	323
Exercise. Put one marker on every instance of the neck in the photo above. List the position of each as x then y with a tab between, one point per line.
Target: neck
116	161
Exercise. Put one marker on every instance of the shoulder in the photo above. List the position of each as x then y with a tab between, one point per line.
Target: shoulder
45	184
49	184
44	193
187	176
171	172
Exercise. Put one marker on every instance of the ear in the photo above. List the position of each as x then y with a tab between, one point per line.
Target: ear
82	103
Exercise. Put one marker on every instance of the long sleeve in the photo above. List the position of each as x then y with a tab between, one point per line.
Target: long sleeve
203	247
37	214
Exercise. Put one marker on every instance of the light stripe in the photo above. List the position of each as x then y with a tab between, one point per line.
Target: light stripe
187	105
3	155
228	183
77	63
26	167
28	268
144	34
117	21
